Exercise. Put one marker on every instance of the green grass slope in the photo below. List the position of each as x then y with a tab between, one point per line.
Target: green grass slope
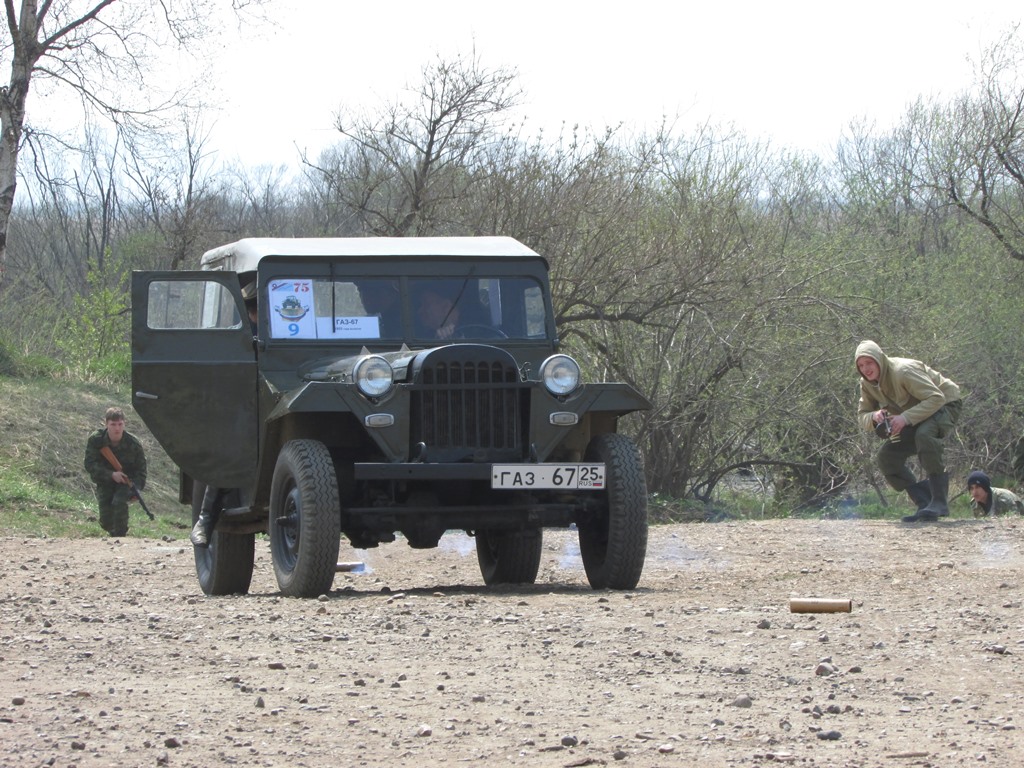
44	490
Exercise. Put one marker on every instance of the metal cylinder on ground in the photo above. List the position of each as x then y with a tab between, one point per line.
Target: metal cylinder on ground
819	605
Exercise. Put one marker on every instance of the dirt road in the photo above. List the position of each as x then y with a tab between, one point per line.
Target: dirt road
111	656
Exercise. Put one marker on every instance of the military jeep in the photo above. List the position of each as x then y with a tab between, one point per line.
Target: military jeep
390	386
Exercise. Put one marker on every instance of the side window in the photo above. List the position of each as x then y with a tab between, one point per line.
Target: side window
516	305
190	305
535	312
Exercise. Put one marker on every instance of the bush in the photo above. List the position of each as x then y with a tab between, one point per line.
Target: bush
96	339
115	368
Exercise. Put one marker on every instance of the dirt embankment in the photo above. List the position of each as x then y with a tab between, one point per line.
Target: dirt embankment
110	655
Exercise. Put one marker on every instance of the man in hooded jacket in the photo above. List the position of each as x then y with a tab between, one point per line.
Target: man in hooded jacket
917	407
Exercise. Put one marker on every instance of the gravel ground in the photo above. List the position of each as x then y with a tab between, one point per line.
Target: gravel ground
111	656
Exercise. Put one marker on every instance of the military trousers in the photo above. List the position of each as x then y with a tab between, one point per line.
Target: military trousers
924	440
113	501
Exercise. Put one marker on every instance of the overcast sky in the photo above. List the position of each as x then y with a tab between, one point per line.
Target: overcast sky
795	72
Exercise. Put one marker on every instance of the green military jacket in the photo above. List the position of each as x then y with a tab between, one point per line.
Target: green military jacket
129	453
1003	502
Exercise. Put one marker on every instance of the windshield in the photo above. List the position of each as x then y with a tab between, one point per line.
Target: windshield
417	309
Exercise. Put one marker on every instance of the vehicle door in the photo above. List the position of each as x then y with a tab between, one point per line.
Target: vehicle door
194	378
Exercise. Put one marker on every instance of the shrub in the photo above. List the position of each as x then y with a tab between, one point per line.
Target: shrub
96	340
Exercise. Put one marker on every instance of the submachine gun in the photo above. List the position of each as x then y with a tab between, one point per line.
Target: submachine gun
116	464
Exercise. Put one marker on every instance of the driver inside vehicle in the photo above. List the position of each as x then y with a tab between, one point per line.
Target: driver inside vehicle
452	309
437	312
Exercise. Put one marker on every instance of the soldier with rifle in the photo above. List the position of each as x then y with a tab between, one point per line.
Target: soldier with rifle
118	479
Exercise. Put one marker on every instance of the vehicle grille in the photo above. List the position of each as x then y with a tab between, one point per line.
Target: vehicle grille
468	409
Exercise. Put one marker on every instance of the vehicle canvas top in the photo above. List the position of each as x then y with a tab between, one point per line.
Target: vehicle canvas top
245	255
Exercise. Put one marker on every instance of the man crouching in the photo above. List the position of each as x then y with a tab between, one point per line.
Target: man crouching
921	407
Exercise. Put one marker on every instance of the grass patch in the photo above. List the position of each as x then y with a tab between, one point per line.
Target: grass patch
44	489
34	510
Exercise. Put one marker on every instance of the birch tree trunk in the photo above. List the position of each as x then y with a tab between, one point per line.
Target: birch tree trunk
25	53
100	50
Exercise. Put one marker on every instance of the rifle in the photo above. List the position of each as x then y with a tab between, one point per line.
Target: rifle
113	460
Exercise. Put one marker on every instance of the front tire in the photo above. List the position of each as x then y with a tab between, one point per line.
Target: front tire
509	557
305	519
613	539
225	566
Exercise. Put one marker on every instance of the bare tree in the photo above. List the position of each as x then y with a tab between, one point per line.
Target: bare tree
395	173
975	147
264	199
91	49
175	192
684	266
78	206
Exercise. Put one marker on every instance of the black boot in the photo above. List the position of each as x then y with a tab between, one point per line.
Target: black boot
920	493
209	512
938	506
203	529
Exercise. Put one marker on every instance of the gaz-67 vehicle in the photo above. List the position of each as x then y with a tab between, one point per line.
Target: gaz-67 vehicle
389	386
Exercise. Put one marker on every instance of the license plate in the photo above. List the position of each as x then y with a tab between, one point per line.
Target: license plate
548	476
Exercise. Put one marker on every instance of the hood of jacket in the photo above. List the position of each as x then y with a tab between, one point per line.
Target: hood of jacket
868	348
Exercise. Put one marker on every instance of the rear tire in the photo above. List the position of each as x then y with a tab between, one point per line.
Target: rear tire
305	519
509	557
225	566
613	541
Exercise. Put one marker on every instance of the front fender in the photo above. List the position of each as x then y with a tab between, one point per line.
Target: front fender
332	397
613	400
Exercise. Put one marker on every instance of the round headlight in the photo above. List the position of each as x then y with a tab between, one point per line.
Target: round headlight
373	376
561	374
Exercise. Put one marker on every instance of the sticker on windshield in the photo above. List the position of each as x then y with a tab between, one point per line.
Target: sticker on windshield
291	305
